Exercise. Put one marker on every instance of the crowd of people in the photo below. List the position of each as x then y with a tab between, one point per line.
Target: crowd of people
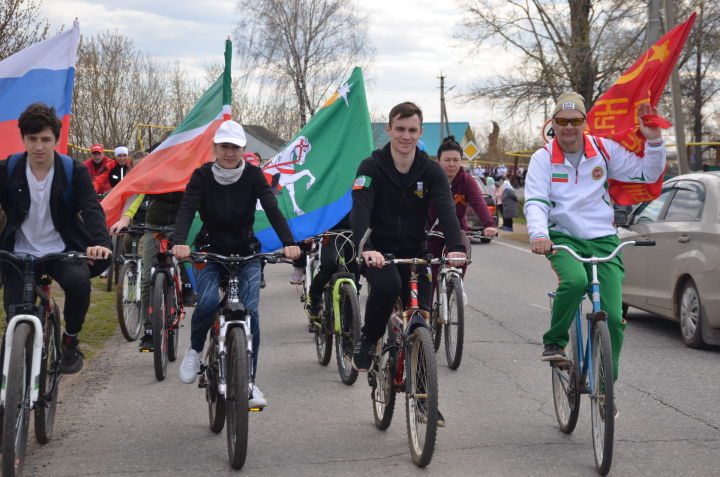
398	194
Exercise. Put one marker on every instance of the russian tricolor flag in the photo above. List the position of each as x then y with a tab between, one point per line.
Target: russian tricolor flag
43	72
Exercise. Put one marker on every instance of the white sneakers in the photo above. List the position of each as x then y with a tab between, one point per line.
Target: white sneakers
257	399
190	367
297	276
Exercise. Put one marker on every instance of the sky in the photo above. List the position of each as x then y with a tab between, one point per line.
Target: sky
413	41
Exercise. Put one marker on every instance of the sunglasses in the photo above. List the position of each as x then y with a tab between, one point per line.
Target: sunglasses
566	121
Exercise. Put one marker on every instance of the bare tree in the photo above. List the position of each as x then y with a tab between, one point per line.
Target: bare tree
20	25
116	87
300	48
581	45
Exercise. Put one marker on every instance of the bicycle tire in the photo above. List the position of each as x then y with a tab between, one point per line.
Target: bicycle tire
111	269
421	396
237	388
382	381
17	402
158	316
454	322
602	402
323	336
349	334
435	326
173	308
566	394
50	374
216	402
127	302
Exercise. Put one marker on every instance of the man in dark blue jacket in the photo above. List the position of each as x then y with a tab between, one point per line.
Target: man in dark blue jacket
43	218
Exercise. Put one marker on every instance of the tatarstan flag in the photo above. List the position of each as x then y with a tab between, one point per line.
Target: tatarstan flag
314	175
169	167
614	115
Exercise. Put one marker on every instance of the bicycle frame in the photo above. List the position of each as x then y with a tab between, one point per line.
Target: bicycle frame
222	327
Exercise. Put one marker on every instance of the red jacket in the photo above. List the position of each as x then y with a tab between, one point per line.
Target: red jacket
100	173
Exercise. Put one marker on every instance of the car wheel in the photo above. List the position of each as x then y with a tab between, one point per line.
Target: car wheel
690	316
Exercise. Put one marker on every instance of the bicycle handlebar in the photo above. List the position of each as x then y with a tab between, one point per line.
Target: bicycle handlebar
593	259
203	257
15	258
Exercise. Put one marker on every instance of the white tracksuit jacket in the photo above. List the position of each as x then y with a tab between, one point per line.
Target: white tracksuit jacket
576	202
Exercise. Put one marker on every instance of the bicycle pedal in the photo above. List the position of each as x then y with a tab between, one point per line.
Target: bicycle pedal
202	382
146	350
256	409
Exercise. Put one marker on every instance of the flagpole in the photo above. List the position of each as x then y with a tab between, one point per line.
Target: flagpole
678	119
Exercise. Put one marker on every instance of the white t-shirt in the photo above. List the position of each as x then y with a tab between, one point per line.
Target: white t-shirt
37	235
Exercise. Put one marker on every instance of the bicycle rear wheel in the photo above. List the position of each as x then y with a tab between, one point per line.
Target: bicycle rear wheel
237	398
49	378
454	322
159	316
602	399
421	397
323	333
128	302
17	402
349	333
566	395
382	378
216	402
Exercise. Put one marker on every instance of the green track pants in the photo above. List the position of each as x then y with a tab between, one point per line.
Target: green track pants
573	281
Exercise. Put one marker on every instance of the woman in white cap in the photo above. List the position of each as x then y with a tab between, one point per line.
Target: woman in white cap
121	166
225	192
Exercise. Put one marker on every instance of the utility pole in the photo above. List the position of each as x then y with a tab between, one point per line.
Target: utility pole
678	117
443	111
653	29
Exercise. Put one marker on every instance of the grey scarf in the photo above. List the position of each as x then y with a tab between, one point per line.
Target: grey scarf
227	176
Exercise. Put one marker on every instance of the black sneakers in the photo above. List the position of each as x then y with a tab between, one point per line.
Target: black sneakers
362	356
314	307
553	352
72	357
146	342
189	296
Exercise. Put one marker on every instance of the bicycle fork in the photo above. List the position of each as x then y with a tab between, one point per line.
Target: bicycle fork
36	356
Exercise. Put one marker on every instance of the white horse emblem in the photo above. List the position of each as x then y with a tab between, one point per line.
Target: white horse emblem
280	171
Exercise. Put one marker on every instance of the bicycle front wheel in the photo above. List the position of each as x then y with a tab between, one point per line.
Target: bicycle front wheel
454	322
216	402
237	397
566	395
127	302
17	402
323	333
421	397
602	399
349	333
159	316
49	378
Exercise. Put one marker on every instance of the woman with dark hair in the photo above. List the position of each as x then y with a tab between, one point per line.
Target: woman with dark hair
465	191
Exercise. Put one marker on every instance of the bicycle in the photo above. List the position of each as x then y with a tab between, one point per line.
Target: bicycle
31	369
118	244
448	311
128	292
340	306
587	369
226	372
166	308
405	361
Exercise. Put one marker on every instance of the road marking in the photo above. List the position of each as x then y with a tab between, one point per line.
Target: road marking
540	306
504	244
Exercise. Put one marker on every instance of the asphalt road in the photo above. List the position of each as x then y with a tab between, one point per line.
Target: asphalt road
116	419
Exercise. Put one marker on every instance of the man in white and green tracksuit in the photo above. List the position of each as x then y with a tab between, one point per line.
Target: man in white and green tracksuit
567	202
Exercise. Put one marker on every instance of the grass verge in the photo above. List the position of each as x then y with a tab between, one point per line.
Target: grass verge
101	320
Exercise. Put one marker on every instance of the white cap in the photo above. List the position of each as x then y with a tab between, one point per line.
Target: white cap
121	150
230	132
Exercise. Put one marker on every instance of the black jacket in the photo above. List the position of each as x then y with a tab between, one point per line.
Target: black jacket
82	227
118	173
396	205
228	212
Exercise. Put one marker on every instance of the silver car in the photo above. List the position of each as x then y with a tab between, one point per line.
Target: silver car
679	278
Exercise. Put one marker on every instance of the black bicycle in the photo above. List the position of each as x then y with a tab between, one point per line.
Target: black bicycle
31	368
227	369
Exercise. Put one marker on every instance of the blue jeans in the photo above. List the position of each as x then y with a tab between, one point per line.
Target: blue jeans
208	283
